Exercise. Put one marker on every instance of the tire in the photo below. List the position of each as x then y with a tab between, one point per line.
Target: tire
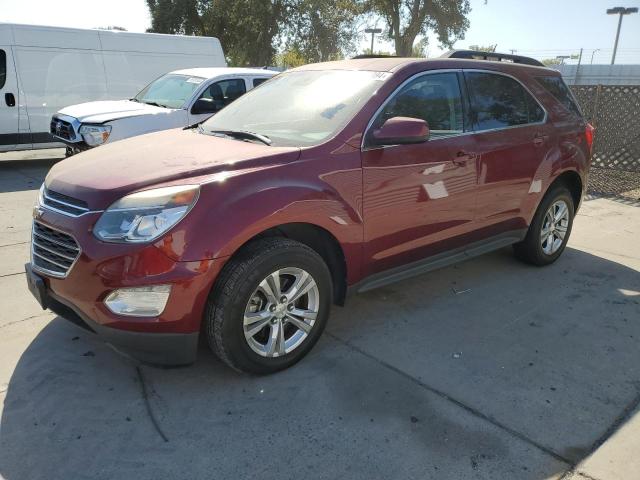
533	249
238	293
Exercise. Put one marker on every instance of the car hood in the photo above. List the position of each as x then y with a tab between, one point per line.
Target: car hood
102	175
101	112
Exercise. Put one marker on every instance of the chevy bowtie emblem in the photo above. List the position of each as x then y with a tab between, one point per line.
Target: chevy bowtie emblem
37	212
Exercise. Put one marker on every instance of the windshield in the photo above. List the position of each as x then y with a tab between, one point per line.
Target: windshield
300	108
170	90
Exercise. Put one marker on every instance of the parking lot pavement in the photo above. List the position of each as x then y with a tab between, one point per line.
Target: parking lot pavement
487	369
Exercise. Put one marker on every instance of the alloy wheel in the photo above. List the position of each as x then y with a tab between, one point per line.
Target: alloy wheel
281	312
554	227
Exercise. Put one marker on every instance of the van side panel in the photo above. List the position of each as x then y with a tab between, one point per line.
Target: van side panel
53	78
129	72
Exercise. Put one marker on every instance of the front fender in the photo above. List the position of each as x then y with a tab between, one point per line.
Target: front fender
232	211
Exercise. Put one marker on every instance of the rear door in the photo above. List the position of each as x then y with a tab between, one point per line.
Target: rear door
512	138
9	107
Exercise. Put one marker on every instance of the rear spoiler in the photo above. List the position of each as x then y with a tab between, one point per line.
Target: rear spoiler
492	56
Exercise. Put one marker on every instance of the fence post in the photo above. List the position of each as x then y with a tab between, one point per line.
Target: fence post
595	105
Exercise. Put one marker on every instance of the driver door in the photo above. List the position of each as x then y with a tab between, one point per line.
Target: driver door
419	199
215	97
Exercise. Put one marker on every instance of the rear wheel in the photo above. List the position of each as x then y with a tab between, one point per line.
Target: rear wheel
549	230
269	306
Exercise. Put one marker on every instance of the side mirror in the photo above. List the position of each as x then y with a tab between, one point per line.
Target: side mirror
204	105
401	130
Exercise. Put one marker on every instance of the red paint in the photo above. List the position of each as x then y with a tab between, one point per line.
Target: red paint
385	207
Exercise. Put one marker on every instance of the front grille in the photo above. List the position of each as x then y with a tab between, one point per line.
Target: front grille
53	251
61	128
63	203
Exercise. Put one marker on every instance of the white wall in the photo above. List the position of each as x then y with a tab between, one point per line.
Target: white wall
601	74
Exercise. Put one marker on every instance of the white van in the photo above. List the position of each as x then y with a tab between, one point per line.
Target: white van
177	99
43	69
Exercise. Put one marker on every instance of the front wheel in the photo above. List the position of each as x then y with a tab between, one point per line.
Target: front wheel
269	306
549	230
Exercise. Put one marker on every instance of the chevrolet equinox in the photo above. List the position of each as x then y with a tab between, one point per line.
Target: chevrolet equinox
328	178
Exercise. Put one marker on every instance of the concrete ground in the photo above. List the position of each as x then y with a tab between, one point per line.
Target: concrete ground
489	369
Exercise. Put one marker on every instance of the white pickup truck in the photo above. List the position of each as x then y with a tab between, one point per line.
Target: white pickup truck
177	99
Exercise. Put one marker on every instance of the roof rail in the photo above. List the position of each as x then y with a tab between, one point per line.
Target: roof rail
357	57
492	56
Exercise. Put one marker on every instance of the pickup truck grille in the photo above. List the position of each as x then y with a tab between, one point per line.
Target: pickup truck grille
52	251
62	129
63	203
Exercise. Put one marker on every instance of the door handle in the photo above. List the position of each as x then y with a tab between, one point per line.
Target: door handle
10	99
462	158
539	139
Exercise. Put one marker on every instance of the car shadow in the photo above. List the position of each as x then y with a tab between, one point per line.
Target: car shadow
487	369
23	175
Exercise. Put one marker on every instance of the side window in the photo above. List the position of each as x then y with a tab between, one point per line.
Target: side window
556	87
224	92
434	98
3	68
258	81
498	101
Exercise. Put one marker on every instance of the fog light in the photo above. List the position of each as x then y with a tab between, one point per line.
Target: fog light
139	301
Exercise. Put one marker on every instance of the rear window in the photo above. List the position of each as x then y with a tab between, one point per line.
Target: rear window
556	87
498	101
3	68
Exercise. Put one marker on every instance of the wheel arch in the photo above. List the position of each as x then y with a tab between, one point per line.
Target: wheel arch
321	241
572	180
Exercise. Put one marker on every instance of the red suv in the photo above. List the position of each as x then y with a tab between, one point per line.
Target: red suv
327	178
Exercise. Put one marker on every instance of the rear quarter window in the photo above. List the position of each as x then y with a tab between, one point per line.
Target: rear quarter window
258	81
559	90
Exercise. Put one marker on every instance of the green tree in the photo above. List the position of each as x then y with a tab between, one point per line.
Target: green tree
252	31
247	29
322	30
482	48
551	62
406	19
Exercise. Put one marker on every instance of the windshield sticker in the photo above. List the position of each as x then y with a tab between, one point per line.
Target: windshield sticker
196	80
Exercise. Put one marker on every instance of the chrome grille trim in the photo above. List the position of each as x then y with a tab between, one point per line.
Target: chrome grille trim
53	252
64	204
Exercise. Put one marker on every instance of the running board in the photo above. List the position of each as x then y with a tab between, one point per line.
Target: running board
438	261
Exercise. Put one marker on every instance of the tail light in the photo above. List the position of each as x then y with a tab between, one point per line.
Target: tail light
588	133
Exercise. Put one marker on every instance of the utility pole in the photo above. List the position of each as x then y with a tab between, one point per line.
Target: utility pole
513	51
575	79
373	32
593	53
622	11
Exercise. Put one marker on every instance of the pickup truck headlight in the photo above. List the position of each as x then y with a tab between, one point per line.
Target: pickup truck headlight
95	135
144	216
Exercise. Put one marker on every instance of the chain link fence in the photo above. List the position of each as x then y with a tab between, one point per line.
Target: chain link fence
614	110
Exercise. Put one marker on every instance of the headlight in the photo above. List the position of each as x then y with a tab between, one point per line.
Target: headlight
144	216
95	135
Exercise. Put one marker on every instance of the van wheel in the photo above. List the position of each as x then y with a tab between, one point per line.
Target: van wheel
269	306
550	229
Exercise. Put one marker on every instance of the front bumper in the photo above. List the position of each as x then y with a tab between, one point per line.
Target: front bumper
170	338
167	349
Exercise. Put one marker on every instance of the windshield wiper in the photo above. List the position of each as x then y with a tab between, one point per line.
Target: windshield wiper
242	135
134	99
155	104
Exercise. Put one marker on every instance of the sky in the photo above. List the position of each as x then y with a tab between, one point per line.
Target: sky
537	28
